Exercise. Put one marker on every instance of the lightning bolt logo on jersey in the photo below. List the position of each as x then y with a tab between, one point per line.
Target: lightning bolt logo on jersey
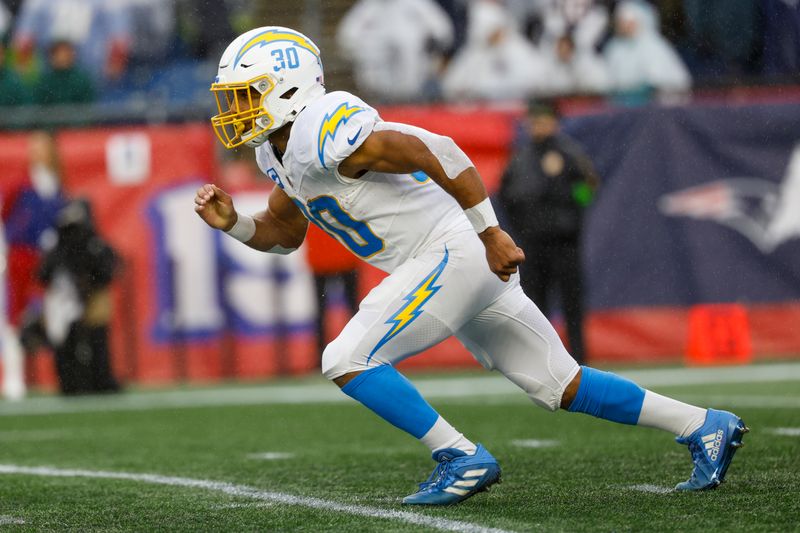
413	307
330	125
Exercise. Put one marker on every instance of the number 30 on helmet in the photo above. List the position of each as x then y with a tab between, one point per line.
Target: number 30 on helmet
265	78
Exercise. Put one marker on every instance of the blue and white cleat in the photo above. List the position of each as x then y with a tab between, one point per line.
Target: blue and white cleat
457	477
712	447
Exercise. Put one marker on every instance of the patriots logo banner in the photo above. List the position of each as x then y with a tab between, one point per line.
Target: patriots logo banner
698	205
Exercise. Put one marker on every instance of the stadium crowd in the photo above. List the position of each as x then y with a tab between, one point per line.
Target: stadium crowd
628	49
78	51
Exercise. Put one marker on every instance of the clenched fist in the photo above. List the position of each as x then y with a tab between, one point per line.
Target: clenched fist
215	207
502	253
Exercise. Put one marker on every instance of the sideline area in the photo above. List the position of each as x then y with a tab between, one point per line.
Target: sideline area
317	390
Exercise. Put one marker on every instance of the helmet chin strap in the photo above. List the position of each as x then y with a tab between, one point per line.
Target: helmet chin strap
257	141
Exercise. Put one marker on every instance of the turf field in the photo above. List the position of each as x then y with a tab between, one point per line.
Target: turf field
299	456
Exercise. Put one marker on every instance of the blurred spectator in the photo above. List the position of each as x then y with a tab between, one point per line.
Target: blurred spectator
77	304
457	11
496	62
585	20
545	188
153	28
99	29
208	27
640	60
5	19
397	46
64	82
572	71
12	90
13	385
781	38
330	263
28	214
723	38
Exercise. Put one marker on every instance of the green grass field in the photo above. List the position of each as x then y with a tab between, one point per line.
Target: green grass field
193	460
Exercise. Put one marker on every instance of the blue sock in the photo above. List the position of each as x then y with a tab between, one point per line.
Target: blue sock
392	397
609	396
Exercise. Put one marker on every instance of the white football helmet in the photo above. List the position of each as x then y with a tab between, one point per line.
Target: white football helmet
265	78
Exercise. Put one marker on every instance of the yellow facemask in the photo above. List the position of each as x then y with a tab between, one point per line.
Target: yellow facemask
240	107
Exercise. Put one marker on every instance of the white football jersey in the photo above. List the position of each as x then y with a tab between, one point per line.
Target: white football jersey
384	219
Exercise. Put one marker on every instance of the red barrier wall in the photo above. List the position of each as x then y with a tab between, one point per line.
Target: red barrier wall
181	155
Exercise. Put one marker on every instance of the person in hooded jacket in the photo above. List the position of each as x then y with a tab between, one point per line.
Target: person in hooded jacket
641	62
497	62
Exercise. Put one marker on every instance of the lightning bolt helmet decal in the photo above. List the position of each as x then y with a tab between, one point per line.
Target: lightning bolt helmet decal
275	35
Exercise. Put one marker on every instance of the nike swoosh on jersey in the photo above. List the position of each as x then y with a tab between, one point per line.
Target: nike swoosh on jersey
352	140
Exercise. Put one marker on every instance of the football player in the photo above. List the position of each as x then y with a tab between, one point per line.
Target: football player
411	203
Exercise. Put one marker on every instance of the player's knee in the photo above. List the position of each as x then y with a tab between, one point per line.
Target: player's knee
545	389
545	395
337	359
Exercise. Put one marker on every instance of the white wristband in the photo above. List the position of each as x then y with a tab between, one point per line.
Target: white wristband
481	216
244	229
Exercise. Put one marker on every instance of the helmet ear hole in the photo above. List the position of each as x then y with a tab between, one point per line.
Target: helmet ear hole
288	94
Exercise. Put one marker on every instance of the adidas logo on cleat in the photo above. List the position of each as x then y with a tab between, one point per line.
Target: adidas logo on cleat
466	482
713	443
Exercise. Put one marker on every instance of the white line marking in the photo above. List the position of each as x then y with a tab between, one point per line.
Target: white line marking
270	456
313	391
757	402
244	491
715	375
535	443
652	489
785	432
10	521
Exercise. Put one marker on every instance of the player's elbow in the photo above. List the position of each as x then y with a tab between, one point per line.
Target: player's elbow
280	250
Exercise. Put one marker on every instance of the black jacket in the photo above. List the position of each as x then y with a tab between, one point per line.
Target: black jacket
540	189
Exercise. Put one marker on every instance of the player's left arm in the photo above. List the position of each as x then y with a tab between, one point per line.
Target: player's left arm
401	149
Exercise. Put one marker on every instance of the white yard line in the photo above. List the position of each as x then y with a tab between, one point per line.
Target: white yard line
244	491
785	432
485	386
535	443
735	400
651	489
10	521
270	456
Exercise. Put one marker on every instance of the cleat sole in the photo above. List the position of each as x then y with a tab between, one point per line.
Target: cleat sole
733	445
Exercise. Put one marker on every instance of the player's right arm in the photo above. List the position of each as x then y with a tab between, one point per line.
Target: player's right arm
279	228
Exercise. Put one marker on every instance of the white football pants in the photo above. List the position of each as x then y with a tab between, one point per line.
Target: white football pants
449	290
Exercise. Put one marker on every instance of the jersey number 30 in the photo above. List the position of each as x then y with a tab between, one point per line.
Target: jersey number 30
326	213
